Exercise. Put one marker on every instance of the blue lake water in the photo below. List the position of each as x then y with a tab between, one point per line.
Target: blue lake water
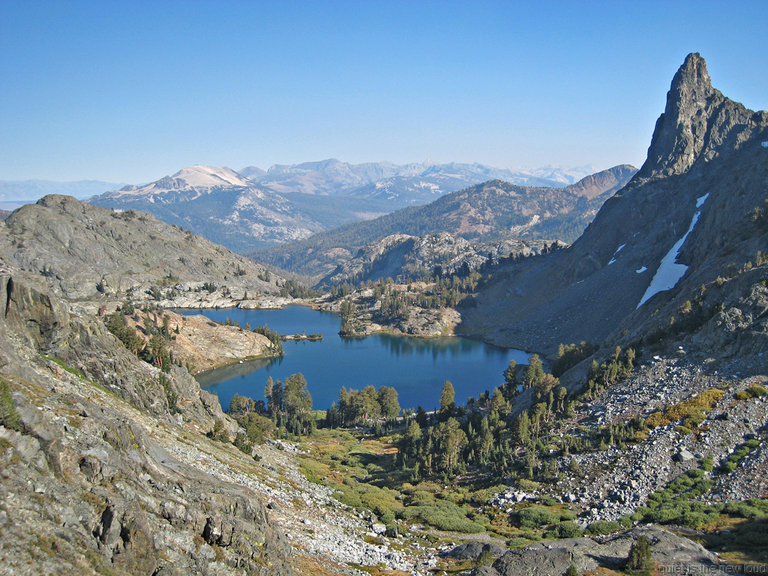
416	367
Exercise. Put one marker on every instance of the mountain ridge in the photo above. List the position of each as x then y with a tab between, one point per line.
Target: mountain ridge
594	287
493	210
89	252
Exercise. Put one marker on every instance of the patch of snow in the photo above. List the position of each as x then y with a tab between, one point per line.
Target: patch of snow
209	176
641	270
669	272
619	249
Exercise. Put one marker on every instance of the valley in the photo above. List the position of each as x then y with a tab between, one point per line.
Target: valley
631	439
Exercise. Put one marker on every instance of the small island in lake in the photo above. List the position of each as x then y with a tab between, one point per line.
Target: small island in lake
302	336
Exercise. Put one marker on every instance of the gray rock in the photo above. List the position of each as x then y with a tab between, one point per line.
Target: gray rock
472	550
554	558
378	528
683	456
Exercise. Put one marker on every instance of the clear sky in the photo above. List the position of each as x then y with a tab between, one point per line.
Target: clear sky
130	91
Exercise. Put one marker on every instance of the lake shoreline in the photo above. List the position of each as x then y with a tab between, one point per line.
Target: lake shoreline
415	366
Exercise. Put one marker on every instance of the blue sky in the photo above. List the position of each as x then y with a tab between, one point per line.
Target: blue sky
131	91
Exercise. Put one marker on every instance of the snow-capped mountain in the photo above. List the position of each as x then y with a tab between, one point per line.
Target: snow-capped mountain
227	208
196	179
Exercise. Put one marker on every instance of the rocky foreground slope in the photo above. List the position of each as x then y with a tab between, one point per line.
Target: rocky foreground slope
88	481
109	465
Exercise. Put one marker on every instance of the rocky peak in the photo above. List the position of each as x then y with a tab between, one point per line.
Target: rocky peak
706	173
691	85
603	183
697	120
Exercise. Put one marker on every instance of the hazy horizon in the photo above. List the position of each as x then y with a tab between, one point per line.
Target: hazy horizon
131	92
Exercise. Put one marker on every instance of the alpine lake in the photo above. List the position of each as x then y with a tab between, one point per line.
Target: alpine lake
416	367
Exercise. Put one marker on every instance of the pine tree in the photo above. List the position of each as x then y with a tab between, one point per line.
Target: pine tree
388	403
534	372
510	380
447	398
298	404
640	557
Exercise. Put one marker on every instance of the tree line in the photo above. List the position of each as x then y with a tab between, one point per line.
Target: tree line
482	436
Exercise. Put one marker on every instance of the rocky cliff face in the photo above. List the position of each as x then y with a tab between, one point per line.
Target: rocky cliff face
697	125
89	480
405	257
691	220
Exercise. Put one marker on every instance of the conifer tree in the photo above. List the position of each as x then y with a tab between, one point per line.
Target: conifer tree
640	557
447	398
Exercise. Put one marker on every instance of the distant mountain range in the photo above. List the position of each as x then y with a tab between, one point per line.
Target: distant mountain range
254	208
402	185
491	211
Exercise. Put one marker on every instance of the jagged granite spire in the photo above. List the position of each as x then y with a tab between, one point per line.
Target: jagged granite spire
681	130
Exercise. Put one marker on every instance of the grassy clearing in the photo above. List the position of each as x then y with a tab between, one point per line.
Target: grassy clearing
363	472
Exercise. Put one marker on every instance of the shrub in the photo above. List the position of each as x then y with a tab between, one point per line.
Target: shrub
692	411
527	485
569	529
518	542
485	558
441	514
626	522
751	509
754	391
534	517
241	443
640	557
219	432
738	455
8	415
603	527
